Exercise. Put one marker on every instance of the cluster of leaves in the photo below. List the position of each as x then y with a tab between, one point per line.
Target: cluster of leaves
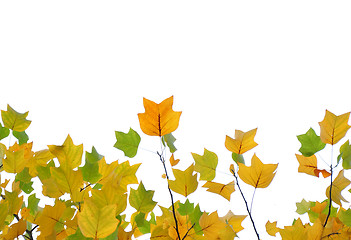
91	196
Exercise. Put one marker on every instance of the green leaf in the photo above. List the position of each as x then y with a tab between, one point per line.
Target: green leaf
310	143
128	142
169	139
4	132
44	172
90	170
141	199
26	187
345	217
14	120
33	202
345	154
21	136
195	218
78	236
206	165
142	224
186	208
238	158
24	176
302	207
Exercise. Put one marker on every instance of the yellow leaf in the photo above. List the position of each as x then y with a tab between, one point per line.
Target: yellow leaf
14	202
15	120
339	183
243	142
271	228
68	154
211	225
39	158
294	232
234	220
159	119
16	230
308	165
334	128
225	190
14	161
97	222
173	161
107	196
123	235
50	217
258	175
160	233
185	182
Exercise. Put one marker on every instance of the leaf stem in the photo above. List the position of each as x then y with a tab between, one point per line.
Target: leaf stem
247	207
170	193
253	196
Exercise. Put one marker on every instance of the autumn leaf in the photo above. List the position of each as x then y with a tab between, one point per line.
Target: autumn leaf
159	119
97	222
16	230
128	142
243	141
14	120
141	199
234	220
4	132
345	154
334	128
302	207
14	161
339	184
295	232
258	175
90	170
224	190
310	143
173	161
206	165
308	165
211	225
271	228
185	182
169	139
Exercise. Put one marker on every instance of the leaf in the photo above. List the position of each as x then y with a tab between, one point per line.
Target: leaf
334	128
185	208
295	232
4	132
97	222
345	217
308	165
206	165
21	136
14	161
107	196
211	225
271	228
302	207
159	119
243	142
128	142
224	190
16	230
339	184
345	154
141	199
234	220
173	161
14	120
310	143
90	170
68	154
170	139
258	175
185	182
33	202
238	158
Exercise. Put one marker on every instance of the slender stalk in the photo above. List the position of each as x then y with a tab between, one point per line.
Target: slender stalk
330	189
253	196
170	193
188	231
247	206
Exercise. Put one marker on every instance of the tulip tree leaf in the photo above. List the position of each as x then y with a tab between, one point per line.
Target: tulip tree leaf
169	139
206	164
4	132
14	120
310	143
345	154
128	142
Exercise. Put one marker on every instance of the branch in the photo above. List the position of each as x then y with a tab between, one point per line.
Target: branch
170	193
330	195
188	231
247	207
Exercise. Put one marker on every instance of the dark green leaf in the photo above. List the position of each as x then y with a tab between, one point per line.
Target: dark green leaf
310	143
26	187
128	142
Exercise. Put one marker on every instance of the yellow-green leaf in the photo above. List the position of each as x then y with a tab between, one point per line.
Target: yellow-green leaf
97	222
243	141
15	120
206	164
141	199
334	128
185	182
159	119
258	175
14	161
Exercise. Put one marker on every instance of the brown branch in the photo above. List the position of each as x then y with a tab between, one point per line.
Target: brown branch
170	193
247	206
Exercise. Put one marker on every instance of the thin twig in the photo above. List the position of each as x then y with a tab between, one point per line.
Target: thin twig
170	193
253	196
188	231
247	207
330	189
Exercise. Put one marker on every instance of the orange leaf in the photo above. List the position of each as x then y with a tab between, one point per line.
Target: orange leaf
308	165
334	128
173	161
159	119
225	190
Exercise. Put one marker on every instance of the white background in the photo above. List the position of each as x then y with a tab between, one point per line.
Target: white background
83	67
